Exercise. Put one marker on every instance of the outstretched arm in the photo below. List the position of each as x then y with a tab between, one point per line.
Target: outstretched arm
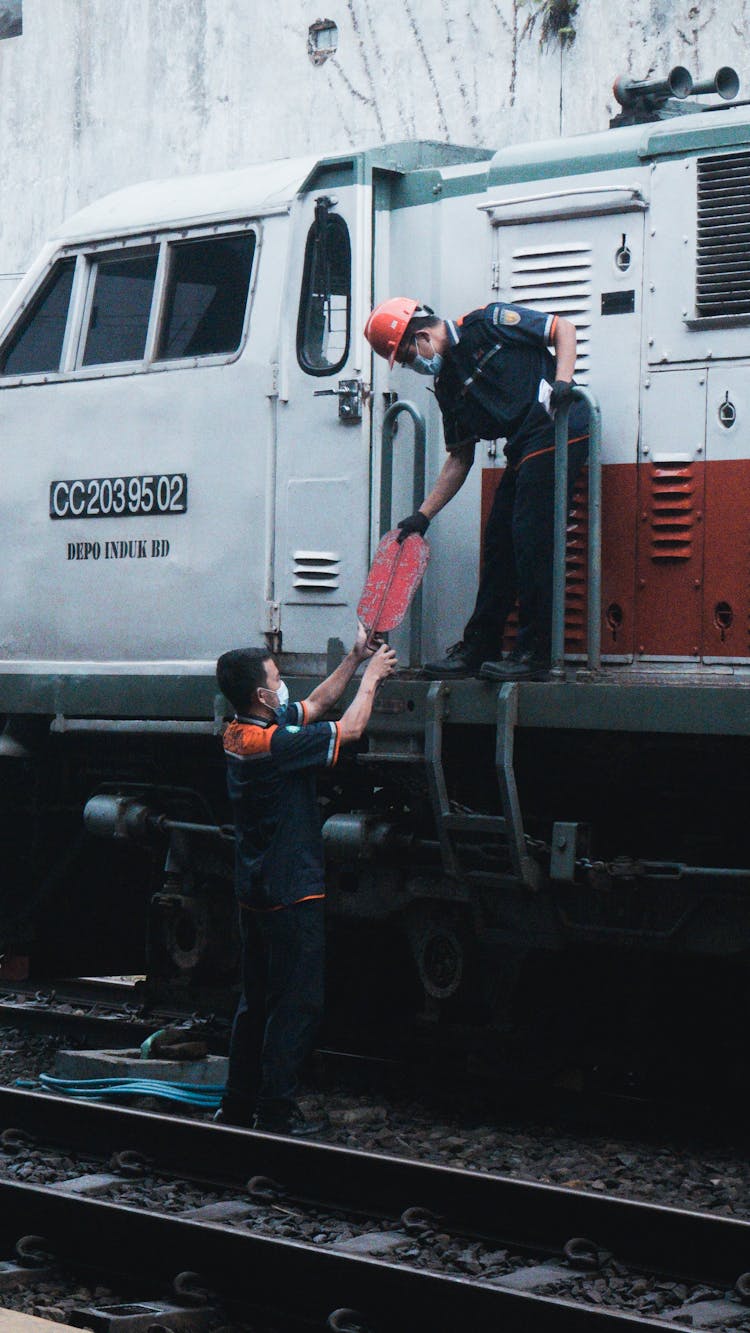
330	690
453	474
357	715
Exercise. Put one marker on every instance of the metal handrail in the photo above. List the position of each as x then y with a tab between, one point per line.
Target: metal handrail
594	584
386	497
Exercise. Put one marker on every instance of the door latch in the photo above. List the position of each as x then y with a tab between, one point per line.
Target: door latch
350	394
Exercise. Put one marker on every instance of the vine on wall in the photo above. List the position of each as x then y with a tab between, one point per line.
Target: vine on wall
558	19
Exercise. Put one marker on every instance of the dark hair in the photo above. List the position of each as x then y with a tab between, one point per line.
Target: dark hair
415	325
240	672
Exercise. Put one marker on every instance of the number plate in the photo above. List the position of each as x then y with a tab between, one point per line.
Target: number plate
119	497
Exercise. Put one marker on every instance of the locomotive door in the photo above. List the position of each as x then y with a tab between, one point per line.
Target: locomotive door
321	486
670	514
726	577
588	267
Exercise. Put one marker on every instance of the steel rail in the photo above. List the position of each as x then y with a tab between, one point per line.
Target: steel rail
94	1011
302	1279
698	1246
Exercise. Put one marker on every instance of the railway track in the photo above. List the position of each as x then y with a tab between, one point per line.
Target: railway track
110	1015
381	1229
110	1012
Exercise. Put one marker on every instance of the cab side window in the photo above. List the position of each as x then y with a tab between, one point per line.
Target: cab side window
37	343
206	296
110	311
120	308
323	323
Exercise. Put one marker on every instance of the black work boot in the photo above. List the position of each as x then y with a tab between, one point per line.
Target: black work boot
462	659
526	665
287	1118
235	1111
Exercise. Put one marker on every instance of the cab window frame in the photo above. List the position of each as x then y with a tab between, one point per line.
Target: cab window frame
88	255
339	223
93	264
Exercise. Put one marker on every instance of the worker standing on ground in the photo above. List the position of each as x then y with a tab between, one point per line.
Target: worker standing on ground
273	749
495	377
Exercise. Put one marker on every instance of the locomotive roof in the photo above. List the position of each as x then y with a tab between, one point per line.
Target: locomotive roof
623	147
262	188
266	187
269	187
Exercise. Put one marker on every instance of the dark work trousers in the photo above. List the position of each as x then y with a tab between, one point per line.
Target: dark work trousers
519	549
280	1009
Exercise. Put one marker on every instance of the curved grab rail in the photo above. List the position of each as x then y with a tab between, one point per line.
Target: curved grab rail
390	420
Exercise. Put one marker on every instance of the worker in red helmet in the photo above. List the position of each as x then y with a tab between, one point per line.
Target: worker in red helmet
495	377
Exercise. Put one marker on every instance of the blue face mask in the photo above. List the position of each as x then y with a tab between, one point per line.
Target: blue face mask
425	366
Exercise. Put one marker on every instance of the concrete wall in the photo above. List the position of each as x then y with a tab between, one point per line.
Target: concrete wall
96	94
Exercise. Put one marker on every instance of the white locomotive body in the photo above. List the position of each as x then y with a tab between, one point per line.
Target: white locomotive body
195	459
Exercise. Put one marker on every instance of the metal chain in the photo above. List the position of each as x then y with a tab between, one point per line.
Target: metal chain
621	868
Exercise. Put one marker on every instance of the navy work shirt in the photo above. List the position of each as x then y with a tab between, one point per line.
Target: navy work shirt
271	770
488	386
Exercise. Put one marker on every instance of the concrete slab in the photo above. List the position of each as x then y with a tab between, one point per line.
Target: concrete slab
140	1316
226	1210
90	1184
373	1242
534	1278
13	1321
128	1064
708	1314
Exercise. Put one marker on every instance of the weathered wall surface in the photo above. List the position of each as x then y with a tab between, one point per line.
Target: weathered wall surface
96	94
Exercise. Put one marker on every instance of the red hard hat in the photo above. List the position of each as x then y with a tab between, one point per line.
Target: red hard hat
387	324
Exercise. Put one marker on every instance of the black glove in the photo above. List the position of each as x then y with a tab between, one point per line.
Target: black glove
562	393
418	522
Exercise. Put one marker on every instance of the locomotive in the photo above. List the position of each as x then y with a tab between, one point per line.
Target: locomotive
200	452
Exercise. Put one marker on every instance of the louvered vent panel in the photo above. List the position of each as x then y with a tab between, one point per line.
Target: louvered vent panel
672	511
557	280
576	567
722	285
317	571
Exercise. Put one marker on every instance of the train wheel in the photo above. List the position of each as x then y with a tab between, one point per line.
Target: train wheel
440	947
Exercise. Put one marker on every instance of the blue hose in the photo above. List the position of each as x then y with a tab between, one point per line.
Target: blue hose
206	1095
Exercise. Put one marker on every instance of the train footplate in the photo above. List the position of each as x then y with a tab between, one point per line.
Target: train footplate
509	825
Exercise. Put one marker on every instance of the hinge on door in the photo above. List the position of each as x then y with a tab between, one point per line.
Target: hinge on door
273	618
273	627
495	276
273	391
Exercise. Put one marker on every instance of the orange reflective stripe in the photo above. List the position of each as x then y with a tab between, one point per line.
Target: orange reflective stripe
549	449
303	706
552	328
281	907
